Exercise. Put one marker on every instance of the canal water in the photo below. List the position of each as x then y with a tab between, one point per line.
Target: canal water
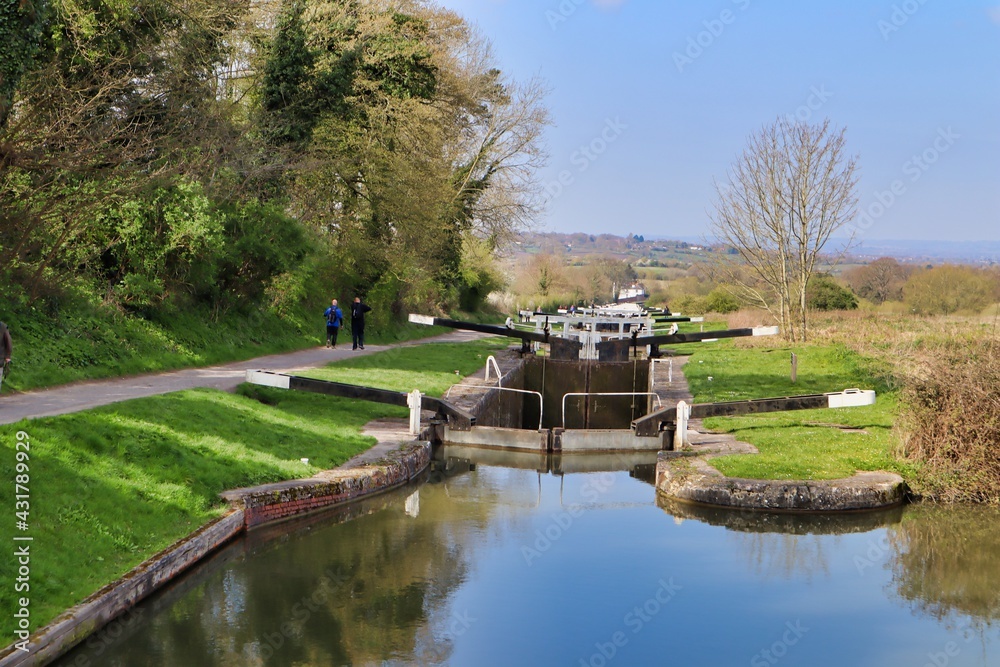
507	560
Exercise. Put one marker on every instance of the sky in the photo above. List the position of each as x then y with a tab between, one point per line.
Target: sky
653	100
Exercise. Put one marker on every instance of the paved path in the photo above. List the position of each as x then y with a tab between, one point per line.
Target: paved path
85	395
674	390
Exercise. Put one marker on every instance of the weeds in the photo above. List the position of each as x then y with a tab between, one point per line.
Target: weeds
950	422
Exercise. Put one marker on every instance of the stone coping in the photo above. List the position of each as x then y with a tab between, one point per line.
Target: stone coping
691	479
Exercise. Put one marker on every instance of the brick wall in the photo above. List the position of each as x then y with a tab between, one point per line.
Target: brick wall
273	502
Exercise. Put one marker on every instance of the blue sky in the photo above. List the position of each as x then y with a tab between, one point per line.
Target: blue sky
666	92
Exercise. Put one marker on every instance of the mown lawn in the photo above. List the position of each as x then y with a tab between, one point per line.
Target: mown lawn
806	444
110	487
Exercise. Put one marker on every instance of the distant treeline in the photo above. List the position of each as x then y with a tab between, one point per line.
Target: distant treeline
159	155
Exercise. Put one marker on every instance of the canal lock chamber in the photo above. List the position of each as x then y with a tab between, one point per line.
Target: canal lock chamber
545	404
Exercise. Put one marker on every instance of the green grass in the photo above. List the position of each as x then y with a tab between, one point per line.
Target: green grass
691	327
805	444
110	487
431	371
81	341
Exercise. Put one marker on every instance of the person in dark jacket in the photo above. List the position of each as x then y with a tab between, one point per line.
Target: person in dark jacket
334	318
6	348
358	311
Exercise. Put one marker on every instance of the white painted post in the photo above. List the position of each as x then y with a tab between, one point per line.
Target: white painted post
413	401
670	372
680	435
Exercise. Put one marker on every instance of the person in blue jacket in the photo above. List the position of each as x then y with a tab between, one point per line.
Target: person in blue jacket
334	318
358	311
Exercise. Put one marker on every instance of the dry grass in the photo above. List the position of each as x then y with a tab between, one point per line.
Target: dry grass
950	422
947	373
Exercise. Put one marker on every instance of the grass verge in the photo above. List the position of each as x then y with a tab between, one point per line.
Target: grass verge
85	341
111	487
807	444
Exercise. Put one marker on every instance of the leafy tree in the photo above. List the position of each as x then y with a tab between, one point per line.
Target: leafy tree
228	155
948	289
825	293
118	99
721	300
21	28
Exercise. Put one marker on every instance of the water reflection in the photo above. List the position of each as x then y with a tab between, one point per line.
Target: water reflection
377	590
501	560
784	544
946	561
785	523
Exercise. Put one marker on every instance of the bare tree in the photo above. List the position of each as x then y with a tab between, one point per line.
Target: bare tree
880	281
787	193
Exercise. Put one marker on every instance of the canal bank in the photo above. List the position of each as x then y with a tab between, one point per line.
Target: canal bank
146	473
251	507
484	564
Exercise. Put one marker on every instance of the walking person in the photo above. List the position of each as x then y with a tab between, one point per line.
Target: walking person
6	348
358	311
334	319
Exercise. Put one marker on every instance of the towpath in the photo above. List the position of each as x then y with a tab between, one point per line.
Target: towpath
91	394
670	383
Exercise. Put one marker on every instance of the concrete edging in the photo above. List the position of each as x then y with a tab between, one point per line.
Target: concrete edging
691	479
76	624
251	507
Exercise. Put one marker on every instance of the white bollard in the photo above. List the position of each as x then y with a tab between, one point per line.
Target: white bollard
413	401
680	435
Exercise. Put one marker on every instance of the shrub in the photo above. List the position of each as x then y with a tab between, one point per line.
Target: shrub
824	293
951	422
720	300
690	305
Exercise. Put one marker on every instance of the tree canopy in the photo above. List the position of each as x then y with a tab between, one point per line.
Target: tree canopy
227	153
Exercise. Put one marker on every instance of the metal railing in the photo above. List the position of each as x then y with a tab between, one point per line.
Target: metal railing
659	403
496	366
541	403
652	370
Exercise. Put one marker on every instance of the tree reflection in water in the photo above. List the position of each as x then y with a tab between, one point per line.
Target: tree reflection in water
370	584
784	544
945	560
